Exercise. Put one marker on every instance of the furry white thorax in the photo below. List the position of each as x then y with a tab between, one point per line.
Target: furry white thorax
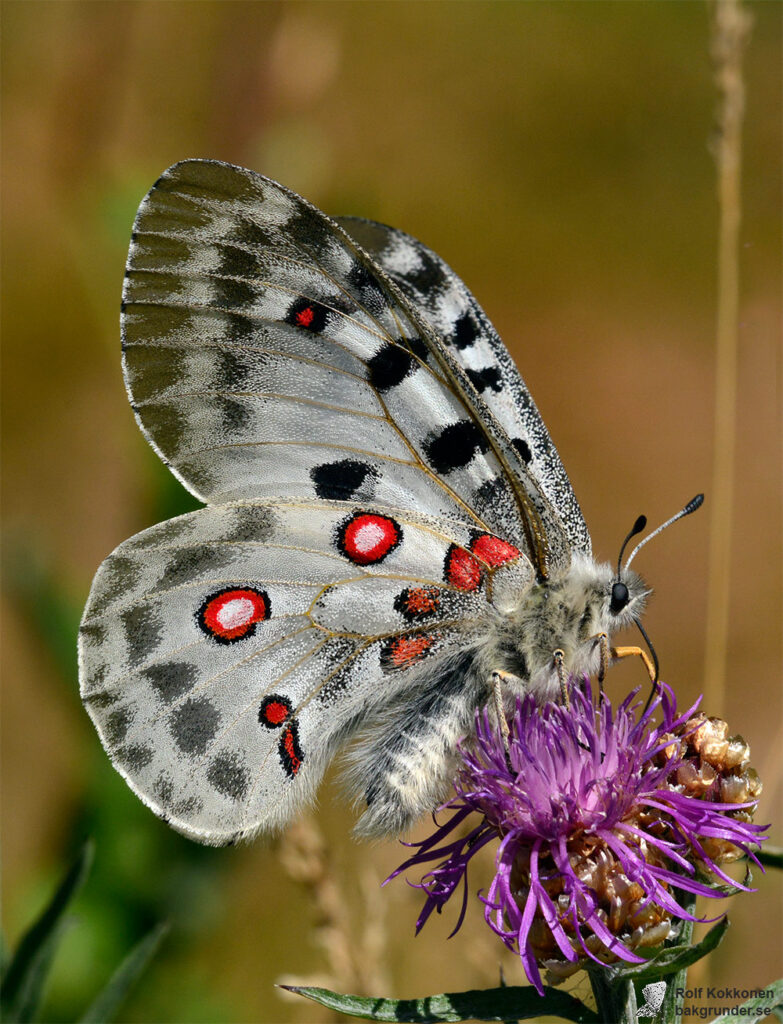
566	614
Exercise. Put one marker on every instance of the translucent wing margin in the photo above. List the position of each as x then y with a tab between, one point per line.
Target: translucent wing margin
205	638
442	300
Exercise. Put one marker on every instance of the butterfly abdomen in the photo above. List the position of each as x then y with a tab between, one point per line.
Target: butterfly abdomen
402	766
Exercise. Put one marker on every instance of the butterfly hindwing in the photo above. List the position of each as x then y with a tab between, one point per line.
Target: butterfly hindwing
225	655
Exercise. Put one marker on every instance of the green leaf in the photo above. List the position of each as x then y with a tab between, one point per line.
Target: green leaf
502	1004
675	958
771	1001
771	856
108	1001
25	980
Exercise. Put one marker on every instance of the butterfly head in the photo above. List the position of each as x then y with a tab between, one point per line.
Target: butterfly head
606	600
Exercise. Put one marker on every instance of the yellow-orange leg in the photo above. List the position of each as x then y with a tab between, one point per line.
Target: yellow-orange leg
630	652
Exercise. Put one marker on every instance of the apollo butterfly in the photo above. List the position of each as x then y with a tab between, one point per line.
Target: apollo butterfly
387	525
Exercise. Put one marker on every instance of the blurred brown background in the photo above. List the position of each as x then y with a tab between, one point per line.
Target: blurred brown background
557	154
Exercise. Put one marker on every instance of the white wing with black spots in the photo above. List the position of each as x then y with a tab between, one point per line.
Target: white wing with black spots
441	298
227	654
267	356
388	521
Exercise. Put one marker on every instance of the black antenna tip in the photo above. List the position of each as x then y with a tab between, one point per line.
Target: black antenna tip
693	504
641	522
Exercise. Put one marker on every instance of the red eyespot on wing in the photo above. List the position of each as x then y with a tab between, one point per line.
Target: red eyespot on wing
493	551
233	614
367	538
274	711
291	755
305	316
416	602
404	651
462	570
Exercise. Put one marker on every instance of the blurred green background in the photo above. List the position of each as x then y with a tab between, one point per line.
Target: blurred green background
557	154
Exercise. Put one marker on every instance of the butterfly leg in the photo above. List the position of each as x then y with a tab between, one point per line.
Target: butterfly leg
498	679
603	644
562	677
629	652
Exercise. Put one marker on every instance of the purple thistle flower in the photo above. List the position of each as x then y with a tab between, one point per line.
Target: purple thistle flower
598	814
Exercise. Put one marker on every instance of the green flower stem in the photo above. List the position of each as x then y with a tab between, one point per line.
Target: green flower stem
615	998
671	1011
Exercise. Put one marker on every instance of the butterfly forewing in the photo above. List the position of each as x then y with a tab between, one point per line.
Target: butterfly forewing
266	355
441	299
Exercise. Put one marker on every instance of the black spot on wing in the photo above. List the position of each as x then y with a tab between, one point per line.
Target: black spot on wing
235	371
239	329
162	251
93	634
152	370
229	775
523	449
465	332
199	475
187	808
102	698
310	231
119	576
231	294
188	564
340	481
234	416
307	314
427	276
163	789
367	288
495	497
134	757
237	262
250	523
143	628
168	425
489	377
171	680
418	348
454	446
390	365
117	725
248	232
194	724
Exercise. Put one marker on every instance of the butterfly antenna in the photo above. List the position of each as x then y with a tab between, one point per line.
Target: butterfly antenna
692	505
637	527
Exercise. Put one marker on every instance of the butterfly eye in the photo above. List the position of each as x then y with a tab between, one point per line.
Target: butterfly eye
620	597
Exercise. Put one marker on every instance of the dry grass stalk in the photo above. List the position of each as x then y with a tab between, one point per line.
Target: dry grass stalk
355	956
730	31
